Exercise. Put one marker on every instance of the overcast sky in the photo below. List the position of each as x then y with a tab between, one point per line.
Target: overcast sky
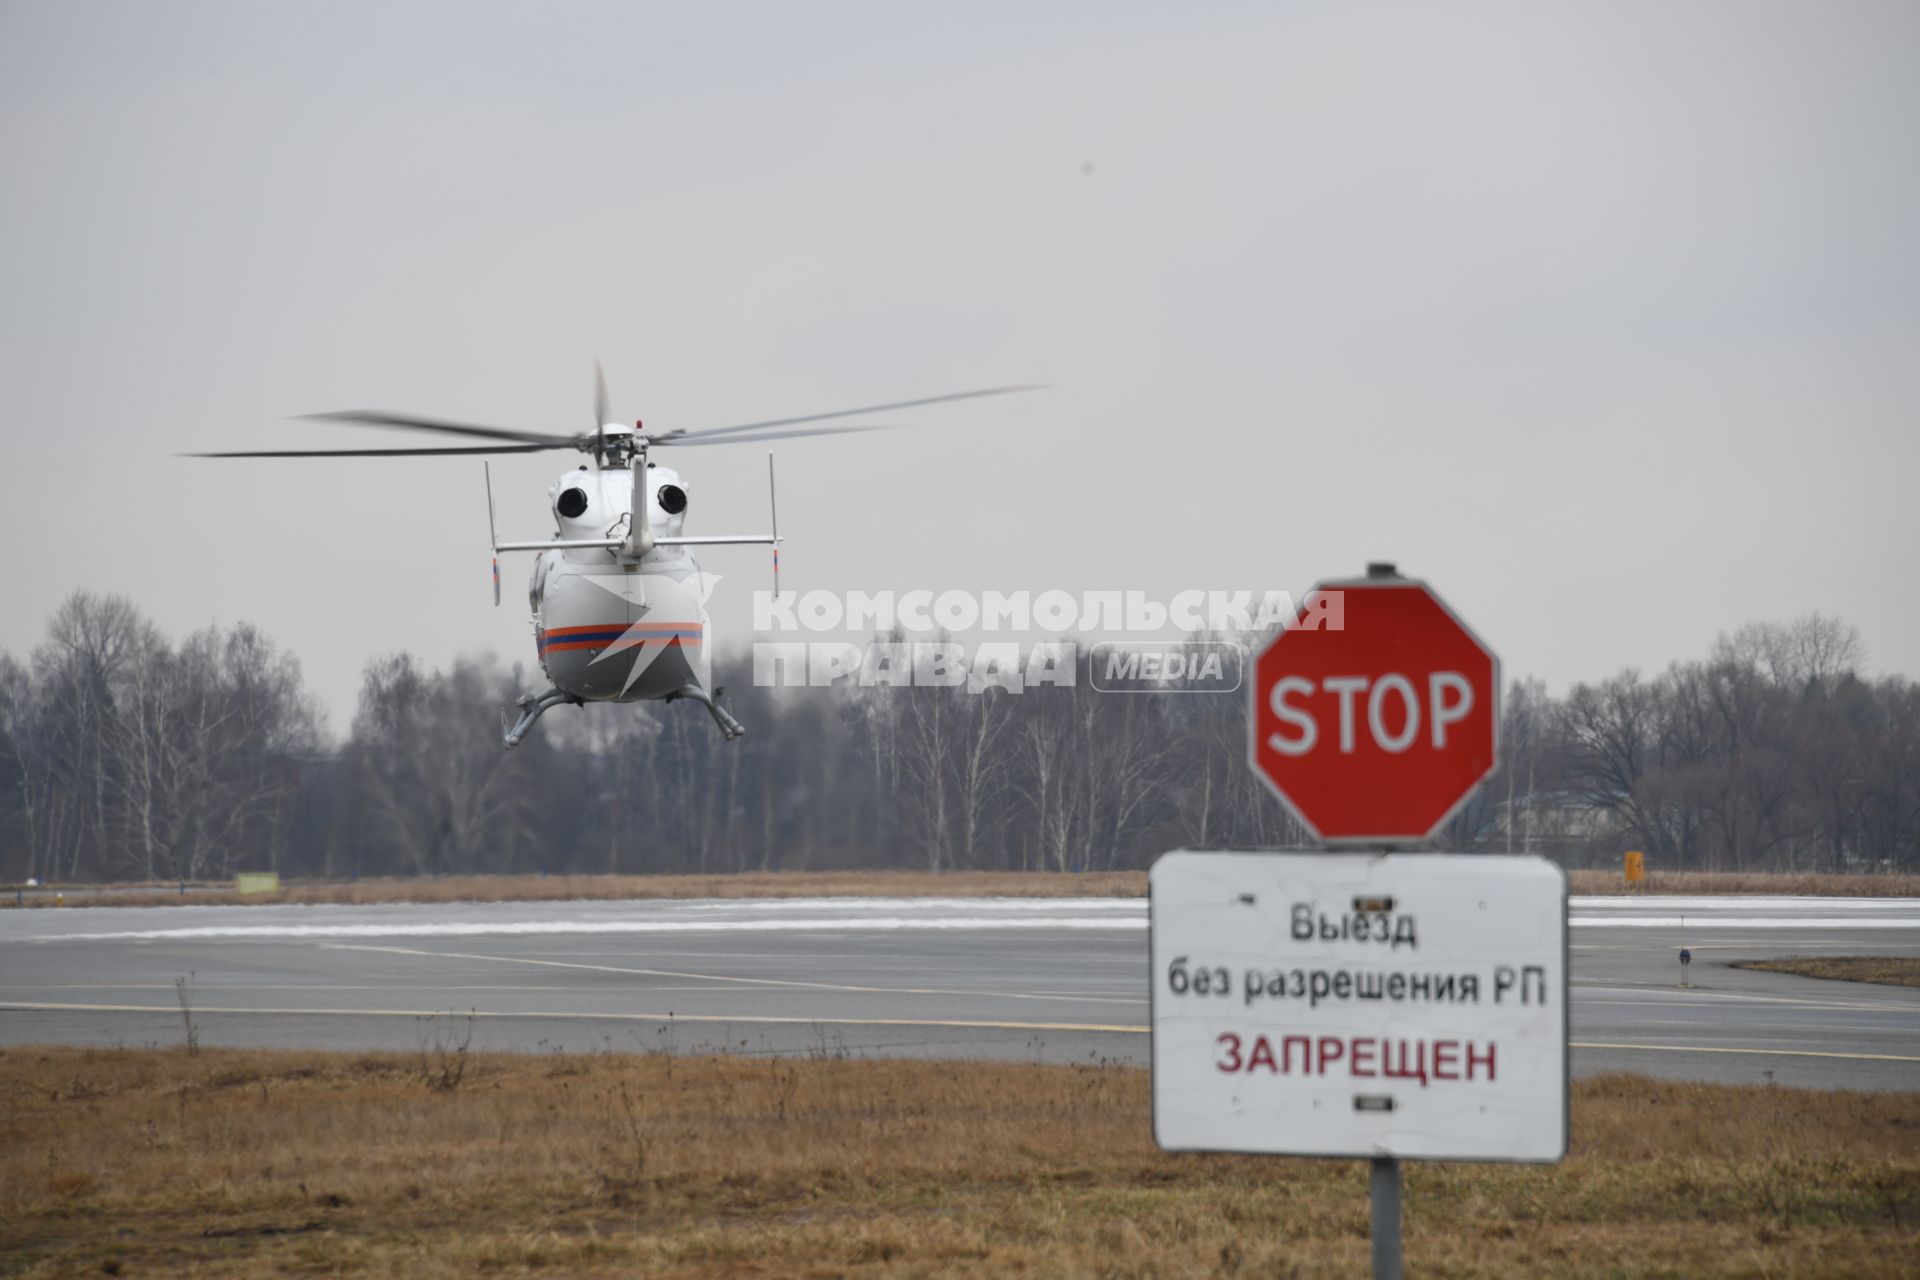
1603	318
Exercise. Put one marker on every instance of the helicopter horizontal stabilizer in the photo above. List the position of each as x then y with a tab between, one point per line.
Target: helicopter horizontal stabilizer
564	544
614	544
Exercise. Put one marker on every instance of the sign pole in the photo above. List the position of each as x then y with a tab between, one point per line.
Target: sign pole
1383	1198
1384	1195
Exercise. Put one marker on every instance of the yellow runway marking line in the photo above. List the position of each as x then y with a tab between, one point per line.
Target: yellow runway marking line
1763	1053
227	988
1760	944
1810	946
749	982
1694	1004
87	987
545	1015
1702	995
786	1020
209	986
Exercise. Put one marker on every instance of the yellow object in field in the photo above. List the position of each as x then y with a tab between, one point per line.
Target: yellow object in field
1636	867
257	882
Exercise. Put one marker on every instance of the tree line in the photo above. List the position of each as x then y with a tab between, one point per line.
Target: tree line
129	755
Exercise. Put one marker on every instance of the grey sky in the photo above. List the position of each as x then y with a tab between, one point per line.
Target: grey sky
1603	318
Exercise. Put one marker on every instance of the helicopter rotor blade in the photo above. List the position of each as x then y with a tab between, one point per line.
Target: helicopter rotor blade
602	414
693	440
844	413
373	453
413	422
506	440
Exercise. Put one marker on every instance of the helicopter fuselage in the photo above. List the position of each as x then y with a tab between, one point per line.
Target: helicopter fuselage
610	626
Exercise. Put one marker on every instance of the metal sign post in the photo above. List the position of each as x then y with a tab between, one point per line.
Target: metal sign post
1383	1208
1383	1192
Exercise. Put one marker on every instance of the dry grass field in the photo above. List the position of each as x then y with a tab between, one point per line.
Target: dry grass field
866	884
1891	971
237	1163
1787	883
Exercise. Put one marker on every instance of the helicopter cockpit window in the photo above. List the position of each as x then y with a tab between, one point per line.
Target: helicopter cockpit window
673	499
573	503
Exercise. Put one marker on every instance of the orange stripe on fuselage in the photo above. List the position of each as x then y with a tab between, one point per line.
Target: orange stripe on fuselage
625	626
602	644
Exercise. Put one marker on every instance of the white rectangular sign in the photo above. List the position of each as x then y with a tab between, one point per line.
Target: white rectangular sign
1406	1005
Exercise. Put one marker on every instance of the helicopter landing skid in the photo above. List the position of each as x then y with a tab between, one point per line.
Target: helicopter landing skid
532	706
729	727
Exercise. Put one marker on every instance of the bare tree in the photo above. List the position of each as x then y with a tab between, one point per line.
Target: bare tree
1813	648
126	753
429	762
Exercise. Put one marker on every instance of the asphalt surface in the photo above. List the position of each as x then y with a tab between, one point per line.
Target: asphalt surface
1022	979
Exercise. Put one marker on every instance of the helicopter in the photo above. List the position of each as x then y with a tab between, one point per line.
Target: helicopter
618	602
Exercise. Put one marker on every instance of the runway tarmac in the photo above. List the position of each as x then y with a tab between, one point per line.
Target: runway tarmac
1048	980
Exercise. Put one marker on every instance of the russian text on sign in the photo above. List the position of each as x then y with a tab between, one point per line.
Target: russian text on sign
1411	1005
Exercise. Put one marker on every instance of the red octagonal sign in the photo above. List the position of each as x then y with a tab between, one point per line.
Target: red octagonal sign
1375	712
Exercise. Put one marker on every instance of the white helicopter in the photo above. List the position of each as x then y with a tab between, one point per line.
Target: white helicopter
619	604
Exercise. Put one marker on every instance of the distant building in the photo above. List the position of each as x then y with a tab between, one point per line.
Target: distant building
1550	820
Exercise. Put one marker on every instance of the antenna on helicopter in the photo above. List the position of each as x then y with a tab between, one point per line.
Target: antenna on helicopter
493	538
773	515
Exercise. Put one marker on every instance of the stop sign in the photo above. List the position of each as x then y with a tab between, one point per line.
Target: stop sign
1375	712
